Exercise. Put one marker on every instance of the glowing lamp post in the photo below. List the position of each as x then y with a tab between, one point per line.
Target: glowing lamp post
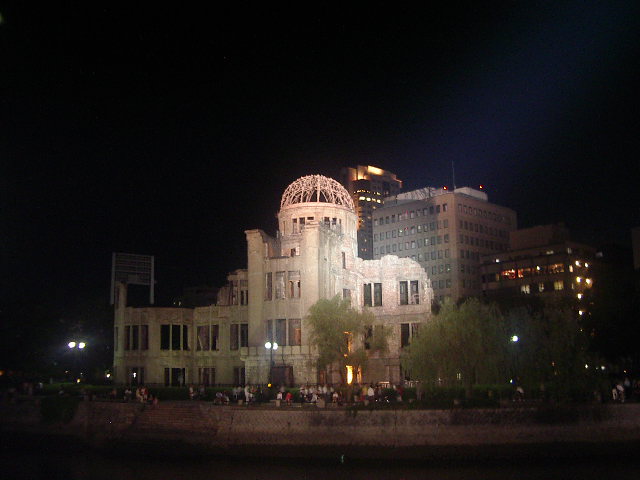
271	347
75	347
515	339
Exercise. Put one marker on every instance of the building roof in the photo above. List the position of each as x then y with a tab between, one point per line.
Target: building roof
316	188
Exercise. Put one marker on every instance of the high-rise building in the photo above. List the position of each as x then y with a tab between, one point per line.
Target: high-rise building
368	186
446	232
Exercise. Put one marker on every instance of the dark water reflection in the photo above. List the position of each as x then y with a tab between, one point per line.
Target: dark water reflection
95	466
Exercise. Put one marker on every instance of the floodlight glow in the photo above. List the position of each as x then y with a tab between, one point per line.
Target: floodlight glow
267	345
82	345
71	344
275	346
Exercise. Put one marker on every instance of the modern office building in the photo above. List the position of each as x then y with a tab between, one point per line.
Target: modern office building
542	260
313	256
368	186
446	232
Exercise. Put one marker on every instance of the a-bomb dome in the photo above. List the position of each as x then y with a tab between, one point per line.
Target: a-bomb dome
316	188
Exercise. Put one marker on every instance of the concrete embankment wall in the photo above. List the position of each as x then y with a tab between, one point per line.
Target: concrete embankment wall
310	432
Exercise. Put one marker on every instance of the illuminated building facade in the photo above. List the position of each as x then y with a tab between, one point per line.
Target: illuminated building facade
313	256
447	232
542	260
369	186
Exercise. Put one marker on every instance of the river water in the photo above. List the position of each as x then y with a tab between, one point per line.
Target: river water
80	464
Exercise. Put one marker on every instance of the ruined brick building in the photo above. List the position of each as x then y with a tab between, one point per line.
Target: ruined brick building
313	256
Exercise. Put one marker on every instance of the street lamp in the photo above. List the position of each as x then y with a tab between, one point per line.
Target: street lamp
515	339
75	347
271	347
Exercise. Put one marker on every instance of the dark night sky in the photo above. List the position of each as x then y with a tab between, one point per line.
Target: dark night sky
169	130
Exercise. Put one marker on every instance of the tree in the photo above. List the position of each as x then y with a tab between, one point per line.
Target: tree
552	349
466	342
343	336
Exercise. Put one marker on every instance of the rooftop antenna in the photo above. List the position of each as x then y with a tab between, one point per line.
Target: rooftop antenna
453	173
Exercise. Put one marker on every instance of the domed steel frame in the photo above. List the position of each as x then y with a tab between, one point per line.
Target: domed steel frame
316	188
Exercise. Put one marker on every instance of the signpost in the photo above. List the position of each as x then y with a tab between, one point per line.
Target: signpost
133	269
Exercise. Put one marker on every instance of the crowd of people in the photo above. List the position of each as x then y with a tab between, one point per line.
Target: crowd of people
307	394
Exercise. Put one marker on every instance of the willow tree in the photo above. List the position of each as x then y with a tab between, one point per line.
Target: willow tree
344	336
464	343
552	349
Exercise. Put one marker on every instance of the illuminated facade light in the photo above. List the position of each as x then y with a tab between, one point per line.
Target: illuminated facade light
349	374
588	281
578	279
580	312
577	263
579	296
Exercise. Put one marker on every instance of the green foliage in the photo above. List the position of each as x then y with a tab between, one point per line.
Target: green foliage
471	343
462	345
552	353
339	332
58	408
72	388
